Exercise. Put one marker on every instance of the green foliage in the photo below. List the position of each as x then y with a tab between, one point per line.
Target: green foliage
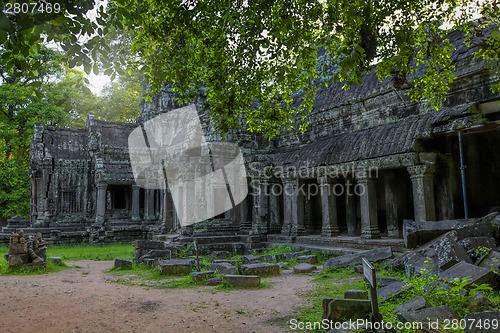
277	249
240	52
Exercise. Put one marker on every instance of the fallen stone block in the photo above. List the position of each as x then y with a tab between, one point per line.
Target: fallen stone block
352	259
304	268
491	261
201	276
227	261
414	304
58	260
355	294
175	266
428	316
260	269
391	290
122	263
221	254
157	254
477	275
479	303
340	310
141	247
383	281
482	322
214	281
223	268
418	233
251	259
472	243
310	259
242	280
436	255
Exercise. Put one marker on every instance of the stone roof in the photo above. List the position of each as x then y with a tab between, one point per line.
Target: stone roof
384	140
65	143
114	134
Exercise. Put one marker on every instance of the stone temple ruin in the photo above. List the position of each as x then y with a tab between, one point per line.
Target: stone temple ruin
369	160
24	252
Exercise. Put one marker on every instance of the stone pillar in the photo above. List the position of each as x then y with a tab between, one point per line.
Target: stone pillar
149	204
350	204
330	226
287	207
135	202
274	209
261	204
297	209
101	202
422	181
168	211
391	205
368	200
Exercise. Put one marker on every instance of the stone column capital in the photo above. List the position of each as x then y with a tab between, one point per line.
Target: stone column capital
135	187
102	186
421	170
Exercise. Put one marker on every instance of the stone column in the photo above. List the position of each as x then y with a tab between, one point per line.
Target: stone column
261	204
330	226
297	209
135	202
101	202
168	211
422	181
391	205
274	209
350	204
368	200
287	207
149	204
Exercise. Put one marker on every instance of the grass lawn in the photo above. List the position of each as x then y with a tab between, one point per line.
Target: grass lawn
69	252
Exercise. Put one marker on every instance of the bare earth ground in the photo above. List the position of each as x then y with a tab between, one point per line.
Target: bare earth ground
85	300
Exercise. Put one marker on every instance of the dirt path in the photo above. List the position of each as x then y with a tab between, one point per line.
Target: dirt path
84	300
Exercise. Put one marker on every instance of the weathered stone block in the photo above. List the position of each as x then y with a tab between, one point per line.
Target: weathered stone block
391	290
310	259
477	275
477	322
201	276
242	280
260	269
55	260
175	266
304	268
414	304
436	255
214	281
340	310
223	268
352	259
355	294
479	303
226	261
122	263
221	254
418	233
491	261
472	243
383	281
251	259
428	315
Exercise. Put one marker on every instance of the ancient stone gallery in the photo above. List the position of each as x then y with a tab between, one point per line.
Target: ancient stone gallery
369	159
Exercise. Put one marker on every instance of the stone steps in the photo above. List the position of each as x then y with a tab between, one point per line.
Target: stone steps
342	242
327	249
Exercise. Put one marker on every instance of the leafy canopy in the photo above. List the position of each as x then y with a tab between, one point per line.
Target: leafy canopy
239	52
